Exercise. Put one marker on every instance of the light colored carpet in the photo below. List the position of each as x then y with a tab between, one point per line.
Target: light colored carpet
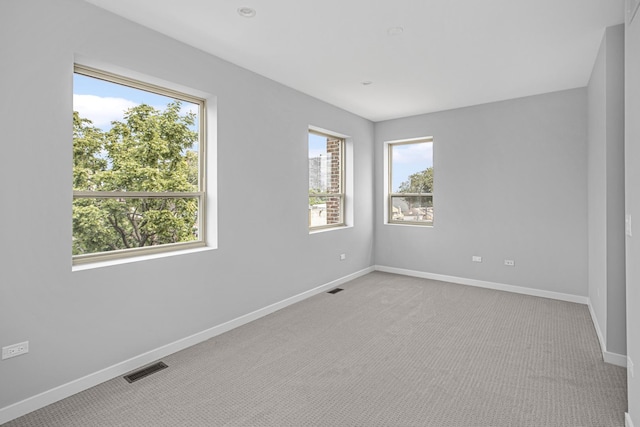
387	351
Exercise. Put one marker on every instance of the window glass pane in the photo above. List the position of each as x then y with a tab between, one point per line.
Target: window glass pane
412	209
411	182
108	224
128	139
412	168
326	197
134	141
325	210
325	164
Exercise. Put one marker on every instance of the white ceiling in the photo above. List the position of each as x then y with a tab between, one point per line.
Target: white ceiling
452	53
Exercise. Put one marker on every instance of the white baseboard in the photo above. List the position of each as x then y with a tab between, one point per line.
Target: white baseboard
489	285
607	356
615	359
627	420
596	325
48	397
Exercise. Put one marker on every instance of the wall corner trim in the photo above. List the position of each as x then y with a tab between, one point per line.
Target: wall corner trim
596	325
615	359
607	356
48	397
627	420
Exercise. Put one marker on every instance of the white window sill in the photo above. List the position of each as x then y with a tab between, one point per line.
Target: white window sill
408	225
324	230
109	263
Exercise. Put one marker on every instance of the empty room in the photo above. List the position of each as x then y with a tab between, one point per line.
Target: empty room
336	213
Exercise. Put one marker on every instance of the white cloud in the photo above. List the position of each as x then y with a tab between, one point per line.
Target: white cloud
101	110
313	153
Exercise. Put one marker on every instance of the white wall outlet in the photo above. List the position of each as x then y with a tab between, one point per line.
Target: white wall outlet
476	258
509	262
627	225
15	350
343	257
630	366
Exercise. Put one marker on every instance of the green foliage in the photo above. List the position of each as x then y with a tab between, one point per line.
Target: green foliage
149	151
88	141
419	182
315	200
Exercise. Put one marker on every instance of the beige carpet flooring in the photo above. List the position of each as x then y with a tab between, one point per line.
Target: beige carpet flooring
387	351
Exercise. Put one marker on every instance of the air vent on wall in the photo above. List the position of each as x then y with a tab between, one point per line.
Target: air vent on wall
144	372
335	291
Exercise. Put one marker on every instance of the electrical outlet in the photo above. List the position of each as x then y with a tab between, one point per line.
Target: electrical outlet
509	262
15	350
343	257
476	258
627	225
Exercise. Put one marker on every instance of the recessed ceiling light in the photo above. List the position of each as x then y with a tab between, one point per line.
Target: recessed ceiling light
246	12
366	83
395	31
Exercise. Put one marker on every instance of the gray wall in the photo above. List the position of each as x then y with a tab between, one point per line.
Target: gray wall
510	182
80	322
606	190
632	200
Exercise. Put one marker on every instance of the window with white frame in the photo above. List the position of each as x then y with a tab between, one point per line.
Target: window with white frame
326	181
410	189
138	167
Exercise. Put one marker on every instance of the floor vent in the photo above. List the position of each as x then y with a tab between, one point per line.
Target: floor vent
144	372
335	291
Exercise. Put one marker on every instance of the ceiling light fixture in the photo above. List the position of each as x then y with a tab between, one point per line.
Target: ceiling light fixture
395	31
366	83
246	12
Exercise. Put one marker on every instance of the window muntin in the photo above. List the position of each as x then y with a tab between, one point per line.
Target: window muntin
410	193
138	168
326	181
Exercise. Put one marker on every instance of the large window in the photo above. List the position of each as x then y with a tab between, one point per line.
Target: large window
138	167
410	198
326	181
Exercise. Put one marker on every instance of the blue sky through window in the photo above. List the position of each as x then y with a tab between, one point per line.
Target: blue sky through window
409	159
317	145
103	102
